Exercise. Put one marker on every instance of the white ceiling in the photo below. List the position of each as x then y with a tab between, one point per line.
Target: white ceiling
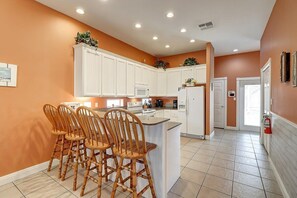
237	23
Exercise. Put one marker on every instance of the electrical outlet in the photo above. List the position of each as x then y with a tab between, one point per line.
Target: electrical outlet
96	104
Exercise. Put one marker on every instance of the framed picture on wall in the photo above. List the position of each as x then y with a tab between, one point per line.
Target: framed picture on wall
294	59
8	75
285	67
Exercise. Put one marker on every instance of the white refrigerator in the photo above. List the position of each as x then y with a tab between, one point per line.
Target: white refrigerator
191	107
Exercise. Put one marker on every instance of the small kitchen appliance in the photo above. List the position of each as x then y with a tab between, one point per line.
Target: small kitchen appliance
174	104
159	103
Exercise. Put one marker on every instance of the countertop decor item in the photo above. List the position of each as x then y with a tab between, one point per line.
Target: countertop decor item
190	62
161	64
190	82
85	37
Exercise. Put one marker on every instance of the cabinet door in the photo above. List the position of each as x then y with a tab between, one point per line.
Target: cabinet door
91	73
138	74
161	80
145	76
121	77
108	75
200	73
187	73
173	82
153	83
130	79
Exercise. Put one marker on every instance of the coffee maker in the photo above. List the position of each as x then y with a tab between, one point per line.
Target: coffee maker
159	103
174	104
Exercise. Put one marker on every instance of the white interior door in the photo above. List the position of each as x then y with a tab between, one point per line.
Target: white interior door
249	104
266	98
219	86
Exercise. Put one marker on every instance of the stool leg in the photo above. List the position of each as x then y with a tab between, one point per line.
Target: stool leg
134	179
115	184
85	153
61	155
87	173
69	157
76	166
105	166
148	173
53	155
100	175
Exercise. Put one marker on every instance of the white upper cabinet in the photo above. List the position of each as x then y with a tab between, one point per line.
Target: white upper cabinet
108	75
173	82
101	73
152	83
138	74
161	83
200	74
121	79
130	79
87	72
187	73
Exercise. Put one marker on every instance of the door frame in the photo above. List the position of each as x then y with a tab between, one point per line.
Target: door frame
225	79
238	97
266	66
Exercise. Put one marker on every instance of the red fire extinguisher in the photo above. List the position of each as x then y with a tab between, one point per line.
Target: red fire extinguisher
267	125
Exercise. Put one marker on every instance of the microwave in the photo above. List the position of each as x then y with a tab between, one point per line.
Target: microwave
141	91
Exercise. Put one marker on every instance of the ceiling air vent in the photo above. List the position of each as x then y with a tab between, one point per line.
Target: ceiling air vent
206	26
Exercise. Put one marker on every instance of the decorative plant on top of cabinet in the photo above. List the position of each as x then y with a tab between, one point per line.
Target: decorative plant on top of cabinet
86	38
161	64
190	62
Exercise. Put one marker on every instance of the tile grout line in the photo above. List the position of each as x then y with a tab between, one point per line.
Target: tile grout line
18	189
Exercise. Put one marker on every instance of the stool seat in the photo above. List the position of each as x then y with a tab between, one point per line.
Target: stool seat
56	132
73	137
134	152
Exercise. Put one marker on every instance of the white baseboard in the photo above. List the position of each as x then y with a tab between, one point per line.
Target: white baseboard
208	137
25	172
231	128
279	180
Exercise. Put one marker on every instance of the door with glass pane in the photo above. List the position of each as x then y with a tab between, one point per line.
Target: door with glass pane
250	103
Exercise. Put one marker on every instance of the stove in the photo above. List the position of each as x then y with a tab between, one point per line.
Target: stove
136	108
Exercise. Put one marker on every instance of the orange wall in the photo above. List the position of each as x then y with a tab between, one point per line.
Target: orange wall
39	40
177	60
281	35
232	67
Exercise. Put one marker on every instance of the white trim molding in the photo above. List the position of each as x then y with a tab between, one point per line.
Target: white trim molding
284	119
209	137
26	172
279	180
231	128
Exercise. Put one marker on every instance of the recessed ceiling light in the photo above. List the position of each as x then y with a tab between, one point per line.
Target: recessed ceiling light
170	15
183	30
155	38
138	25
192	41
167	46
235	50
80	11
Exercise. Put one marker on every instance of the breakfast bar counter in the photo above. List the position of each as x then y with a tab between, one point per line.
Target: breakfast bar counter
164	161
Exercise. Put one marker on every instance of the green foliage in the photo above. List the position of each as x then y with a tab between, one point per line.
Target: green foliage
161	64
190	62
190	80
86	38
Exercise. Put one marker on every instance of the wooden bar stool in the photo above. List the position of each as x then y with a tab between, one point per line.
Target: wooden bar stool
129	143
52	115
75	135
98	141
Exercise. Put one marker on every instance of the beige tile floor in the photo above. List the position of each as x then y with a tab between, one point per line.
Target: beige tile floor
232	164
